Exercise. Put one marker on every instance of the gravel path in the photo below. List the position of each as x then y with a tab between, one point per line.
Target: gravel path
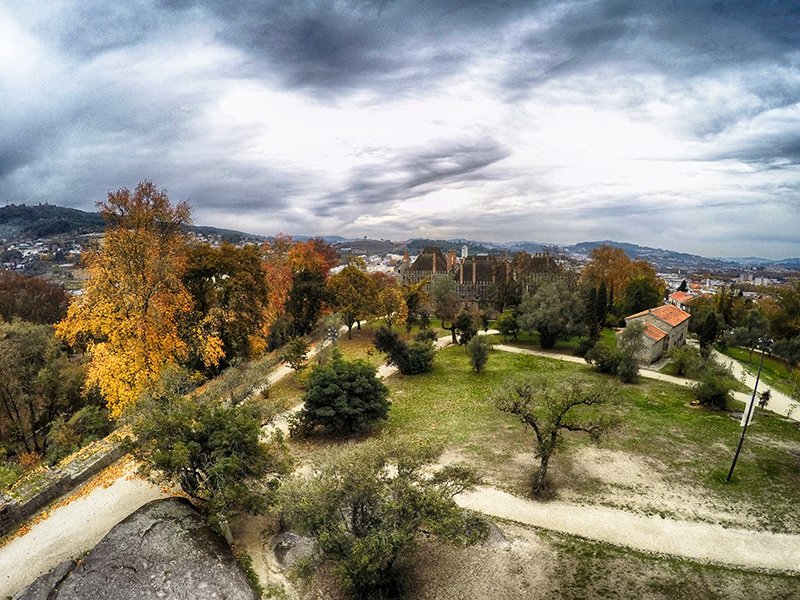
703	542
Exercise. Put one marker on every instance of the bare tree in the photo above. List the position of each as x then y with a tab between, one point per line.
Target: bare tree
550	407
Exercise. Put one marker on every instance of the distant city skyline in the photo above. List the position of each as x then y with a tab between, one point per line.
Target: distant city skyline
671	125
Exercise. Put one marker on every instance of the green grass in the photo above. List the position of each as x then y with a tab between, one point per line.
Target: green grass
687	446
775	371
656	421
531	340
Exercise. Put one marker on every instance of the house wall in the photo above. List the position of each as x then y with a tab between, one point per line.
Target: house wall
677	335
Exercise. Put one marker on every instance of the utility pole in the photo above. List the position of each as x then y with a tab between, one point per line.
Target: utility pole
764	344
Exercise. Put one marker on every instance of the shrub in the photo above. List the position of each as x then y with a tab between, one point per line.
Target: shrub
426	335
66	436
418	359
478	350
603	359
295	353
410	359
584	346
507	325
712	392
686	361
465	325
215	451
628	370
343	397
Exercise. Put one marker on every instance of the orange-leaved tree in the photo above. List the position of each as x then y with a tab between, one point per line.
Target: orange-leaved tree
128	316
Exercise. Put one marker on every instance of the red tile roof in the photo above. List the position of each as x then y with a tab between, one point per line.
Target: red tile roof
681	297
669	313
653	332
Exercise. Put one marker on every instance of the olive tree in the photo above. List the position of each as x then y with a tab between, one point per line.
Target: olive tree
555	311
367	504
551	407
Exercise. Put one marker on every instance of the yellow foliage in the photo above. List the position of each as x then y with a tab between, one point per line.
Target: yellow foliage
128	317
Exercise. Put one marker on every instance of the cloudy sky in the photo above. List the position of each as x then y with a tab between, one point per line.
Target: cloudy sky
665	123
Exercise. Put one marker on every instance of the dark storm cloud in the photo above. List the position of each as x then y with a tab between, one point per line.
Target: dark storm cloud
333	47
118	92
683	38
413	175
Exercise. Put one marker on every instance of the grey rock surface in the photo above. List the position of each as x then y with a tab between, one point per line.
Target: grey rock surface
44	585
163	550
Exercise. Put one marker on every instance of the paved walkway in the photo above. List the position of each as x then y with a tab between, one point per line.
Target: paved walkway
778	403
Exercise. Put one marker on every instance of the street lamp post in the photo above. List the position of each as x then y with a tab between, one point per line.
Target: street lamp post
764	344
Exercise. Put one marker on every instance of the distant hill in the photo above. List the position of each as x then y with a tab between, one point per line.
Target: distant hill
662	259
665	260
47	220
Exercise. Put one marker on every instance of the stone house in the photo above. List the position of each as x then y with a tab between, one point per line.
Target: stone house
666	327
682	300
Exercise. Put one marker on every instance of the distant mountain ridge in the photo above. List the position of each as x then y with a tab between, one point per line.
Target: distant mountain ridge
47	220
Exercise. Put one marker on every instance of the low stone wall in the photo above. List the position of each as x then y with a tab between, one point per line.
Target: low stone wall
37	491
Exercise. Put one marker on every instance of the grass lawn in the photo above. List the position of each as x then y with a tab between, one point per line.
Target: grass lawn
684	445
531	340
687	447
690	446
775	371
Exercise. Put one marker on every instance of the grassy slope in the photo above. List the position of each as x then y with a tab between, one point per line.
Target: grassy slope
775	371
691	446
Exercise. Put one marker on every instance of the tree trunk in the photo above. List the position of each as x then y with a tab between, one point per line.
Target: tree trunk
539	482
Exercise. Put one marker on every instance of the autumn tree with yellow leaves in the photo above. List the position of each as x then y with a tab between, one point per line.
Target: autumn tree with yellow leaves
128	316
611	267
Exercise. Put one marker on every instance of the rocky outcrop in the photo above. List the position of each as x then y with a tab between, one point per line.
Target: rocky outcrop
163	550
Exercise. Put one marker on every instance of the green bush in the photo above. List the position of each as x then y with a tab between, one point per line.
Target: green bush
603	358
713	392
584	346
426	335
478	350
410	359
215	451
68	435
507	325
465	326
686	361
343	397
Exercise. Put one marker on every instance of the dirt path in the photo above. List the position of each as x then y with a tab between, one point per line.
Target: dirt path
702	542
77	524
779	402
